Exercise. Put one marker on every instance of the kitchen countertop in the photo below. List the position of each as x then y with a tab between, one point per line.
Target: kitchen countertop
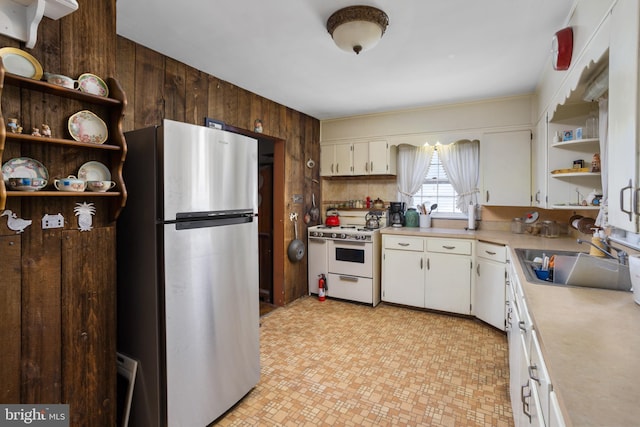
590	338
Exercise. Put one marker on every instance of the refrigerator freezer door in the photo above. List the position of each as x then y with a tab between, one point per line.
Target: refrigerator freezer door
212	320
207	169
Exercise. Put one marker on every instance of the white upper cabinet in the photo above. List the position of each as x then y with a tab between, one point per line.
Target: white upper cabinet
358	158
336	159
624	116
505	165
374	158
539	164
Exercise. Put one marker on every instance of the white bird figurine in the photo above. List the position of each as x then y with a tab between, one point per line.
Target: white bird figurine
14	223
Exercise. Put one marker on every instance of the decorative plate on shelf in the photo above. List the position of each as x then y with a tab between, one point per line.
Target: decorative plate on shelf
90	83
24	167
94	171
20	63
85	126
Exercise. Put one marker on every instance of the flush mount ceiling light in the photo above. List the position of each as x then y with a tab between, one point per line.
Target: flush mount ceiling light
357	28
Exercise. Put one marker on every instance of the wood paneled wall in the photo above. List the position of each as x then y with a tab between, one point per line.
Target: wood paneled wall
57	321
159	87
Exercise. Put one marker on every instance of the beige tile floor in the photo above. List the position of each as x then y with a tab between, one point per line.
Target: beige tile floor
345	364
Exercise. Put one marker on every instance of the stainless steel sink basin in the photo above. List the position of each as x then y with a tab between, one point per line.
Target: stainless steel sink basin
577	269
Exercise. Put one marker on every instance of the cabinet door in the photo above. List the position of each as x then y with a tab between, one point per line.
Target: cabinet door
623	114
505	162
327	160
361	158
448	283
403	277
539	163
489	296
379	158
555	413
538	373
344	159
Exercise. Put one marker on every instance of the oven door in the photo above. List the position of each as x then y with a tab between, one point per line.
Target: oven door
350	258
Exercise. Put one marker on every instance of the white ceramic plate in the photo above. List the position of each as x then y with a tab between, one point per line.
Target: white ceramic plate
94	171
84	126
90	83
24	167
19	62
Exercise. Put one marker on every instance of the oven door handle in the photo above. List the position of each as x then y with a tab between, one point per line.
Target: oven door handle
348	242
348	278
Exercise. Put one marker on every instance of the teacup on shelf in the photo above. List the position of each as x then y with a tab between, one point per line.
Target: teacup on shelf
61	80
26	184
100	186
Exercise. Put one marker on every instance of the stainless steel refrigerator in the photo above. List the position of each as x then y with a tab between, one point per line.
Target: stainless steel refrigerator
188	272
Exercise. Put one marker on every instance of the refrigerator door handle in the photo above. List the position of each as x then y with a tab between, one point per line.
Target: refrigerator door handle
205	223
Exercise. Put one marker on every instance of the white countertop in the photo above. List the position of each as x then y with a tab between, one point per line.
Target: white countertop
590	338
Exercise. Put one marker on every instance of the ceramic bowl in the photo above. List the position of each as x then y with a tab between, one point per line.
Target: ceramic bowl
70	183
26	184
100	186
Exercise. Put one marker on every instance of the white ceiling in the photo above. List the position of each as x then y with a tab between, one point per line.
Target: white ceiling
434	51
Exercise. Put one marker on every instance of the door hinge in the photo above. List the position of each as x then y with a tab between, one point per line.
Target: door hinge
471	307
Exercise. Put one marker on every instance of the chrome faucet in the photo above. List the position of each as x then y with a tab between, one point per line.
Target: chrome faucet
622	255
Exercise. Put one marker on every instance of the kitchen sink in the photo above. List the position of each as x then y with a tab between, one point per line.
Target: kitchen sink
576	269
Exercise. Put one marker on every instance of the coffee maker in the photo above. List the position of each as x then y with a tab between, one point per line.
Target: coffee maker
396	214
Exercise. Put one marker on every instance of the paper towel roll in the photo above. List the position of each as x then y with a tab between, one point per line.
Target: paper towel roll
472	216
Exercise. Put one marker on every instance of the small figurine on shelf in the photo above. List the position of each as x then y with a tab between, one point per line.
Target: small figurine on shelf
46	131
257	126
13	126
595	163
36	132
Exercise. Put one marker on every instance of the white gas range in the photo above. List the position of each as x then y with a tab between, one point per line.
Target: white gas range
349	257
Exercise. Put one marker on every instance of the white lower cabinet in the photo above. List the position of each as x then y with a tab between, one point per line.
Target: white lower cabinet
427	272
489	296
448	276
403	270
555	413
533	401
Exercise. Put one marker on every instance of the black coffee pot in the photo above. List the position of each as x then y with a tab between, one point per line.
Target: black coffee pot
396	214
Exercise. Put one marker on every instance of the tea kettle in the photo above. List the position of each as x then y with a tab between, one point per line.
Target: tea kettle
332	220
372	220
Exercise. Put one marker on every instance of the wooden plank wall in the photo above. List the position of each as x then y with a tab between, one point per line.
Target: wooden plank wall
159	87
57	321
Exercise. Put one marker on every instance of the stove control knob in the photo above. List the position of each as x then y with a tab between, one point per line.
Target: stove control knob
333	235
343	236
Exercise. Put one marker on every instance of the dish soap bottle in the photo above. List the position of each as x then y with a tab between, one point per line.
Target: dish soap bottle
598	235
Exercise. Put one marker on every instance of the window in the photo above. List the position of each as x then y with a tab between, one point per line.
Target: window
436	188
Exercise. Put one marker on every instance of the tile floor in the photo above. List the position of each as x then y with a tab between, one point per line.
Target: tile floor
338	363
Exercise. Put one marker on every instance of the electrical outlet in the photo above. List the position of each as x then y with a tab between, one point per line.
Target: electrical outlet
52	221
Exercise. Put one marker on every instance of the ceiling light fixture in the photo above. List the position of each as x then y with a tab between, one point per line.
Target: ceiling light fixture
357	28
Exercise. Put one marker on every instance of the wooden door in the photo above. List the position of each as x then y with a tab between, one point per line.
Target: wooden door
265	231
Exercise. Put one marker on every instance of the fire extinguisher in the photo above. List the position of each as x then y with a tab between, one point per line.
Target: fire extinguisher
322	287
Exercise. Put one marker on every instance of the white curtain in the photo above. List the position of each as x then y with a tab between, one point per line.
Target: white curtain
413	165
461	162
603	130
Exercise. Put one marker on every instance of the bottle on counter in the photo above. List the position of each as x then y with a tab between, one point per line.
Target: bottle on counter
598	235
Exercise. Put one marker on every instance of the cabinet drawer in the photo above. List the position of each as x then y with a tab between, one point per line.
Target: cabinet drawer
490	251
404	243
351	288
450	246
